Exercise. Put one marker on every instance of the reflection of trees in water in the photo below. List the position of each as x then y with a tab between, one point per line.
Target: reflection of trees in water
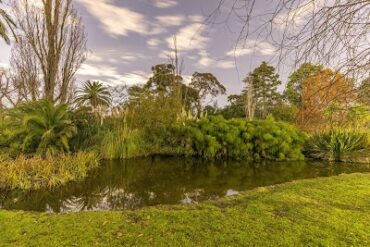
143	182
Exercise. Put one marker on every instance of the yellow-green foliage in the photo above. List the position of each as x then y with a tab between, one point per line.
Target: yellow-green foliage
36	172
216	137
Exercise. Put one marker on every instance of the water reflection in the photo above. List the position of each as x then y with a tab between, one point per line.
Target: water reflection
145	182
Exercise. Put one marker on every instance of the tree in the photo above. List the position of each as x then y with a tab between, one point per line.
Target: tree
364	92
163	79
190	98
264	82
334	33
293	91
207	85
25	72
45	128
6	23
54	37
326	99
236	107
93	93
167	82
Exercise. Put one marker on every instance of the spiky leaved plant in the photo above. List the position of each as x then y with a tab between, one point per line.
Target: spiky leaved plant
337	145
94	94
46	127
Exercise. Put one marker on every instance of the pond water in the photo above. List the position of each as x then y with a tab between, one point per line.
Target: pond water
137	183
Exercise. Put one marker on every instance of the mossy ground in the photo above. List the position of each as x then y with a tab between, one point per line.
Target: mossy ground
319	212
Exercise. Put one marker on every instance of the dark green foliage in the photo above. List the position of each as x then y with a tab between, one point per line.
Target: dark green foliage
90	131
339	145
236	107
215	137
38	127
285	112
163	79
265	82
294	86
207	85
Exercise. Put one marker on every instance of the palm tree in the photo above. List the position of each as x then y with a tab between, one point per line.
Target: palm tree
5	23
93	93
46	128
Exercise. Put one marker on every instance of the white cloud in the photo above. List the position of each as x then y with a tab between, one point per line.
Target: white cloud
131	56
253	46
297	15
224	64
117	21
196	18
206	61
93	57
240	52
165	54
156	29
153	42
111	76
165	4
171	20
113	57
131	78
190	38
97	70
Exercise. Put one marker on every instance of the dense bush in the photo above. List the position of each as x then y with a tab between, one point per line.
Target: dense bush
36	172
215	137
339	145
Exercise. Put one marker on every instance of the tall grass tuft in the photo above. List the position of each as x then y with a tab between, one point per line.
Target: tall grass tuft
38	172
339	145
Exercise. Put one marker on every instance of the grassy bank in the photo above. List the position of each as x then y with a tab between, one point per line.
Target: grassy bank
319	212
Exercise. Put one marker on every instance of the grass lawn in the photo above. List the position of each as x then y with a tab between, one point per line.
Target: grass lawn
319	212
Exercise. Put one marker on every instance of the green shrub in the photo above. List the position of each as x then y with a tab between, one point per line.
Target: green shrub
339	145
216	137
37	172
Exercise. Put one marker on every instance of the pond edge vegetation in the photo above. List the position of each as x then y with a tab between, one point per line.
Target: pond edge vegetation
44	118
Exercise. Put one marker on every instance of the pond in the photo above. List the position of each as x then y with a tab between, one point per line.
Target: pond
137	183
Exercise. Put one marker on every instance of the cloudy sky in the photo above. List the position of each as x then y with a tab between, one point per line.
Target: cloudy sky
127	37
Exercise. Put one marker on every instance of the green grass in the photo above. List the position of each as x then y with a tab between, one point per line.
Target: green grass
319	212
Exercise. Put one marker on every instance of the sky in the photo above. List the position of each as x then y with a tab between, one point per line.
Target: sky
127	37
